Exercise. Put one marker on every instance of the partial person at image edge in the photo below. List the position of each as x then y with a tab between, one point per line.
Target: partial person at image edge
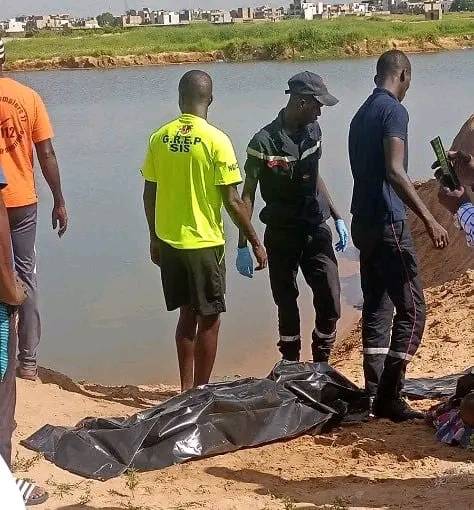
24	124
459	202
12	294
190	171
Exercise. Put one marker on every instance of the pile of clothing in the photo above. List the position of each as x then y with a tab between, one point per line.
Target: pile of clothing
454	419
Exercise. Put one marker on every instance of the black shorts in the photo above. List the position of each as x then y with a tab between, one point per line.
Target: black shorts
194	278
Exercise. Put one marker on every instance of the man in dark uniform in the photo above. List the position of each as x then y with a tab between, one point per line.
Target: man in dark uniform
284	158
378	151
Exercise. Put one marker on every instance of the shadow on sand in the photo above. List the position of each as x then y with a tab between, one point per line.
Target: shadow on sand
129	395
358	491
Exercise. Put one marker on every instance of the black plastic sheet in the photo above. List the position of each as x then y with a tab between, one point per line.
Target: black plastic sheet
434	388
296	398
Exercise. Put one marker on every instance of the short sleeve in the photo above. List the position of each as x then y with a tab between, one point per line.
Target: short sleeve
466	220
3	180
42	128
395	123
148	169
255	159
226	168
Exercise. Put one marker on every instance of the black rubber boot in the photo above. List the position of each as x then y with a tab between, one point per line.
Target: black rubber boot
290	351
396	410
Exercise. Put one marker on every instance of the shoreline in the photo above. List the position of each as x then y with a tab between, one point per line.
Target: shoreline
365	48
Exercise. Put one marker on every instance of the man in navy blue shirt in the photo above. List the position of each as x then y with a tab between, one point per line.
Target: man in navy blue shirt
283	158
378	152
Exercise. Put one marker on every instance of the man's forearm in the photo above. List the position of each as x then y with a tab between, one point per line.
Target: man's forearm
149	203
406	191
239	214
248	202
49	166
321	186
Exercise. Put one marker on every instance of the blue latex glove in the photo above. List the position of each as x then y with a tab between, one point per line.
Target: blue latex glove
244	262
343	235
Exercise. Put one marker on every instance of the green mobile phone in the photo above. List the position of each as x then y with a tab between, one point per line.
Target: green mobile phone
445	172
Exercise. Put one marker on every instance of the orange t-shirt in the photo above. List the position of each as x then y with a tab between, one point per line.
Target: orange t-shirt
24	121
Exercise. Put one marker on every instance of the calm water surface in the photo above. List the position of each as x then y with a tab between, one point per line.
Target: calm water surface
102	305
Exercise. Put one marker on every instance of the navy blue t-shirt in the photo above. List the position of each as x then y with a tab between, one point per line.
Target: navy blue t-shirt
373	198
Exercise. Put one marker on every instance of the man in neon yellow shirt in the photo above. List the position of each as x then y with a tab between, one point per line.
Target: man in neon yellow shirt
190	171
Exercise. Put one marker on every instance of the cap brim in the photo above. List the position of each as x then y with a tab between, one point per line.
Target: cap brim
327	100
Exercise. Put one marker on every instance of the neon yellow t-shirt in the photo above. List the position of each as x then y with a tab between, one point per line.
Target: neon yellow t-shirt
189	159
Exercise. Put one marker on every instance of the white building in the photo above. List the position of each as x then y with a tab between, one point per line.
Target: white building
15	27
52	21
91	23
312	10
446	5
359	8
220	17
168	18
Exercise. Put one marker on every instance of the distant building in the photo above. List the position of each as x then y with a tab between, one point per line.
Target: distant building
168	18
446	5
185	16
269	13
91	23
52	22
433	11
296	9
146	15
312	10
15	26
131	20
246	12
220	17
360	9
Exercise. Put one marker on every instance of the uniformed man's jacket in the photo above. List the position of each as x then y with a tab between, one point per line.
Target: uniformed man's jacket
287	173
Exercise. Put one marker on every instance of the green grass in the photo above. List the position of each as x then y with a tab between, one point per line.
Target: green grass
316	39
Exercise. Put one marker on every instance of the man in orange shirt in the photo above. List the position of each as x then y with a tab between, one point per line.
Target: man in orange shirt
24	123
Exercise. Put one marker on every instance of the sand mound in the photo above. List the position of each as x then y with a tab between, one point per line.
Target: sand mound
448	342
439	266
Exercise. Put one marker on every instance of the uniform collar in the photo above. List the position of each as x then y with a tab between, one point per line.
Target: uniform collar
380	90
288	146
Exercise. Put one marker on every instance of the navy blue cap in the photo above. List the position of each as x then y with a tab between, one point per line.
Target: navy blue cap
307	83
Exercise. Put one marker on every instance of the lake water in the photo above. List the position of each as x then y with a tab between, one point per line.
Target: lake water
101	300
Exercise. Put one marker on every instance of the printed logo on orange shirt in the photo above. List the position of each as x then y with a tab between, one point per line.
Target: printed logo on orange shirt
11	135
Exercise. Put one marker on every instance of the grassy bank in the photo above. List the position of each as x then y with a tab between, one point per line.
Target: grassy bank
311	39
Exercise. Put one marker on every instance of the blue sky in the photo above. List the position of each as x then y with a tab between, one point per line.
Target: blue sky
11	8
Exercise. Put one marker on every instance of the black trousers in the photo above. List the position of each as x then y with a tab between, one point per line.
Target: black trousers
390	281
8	398
308	248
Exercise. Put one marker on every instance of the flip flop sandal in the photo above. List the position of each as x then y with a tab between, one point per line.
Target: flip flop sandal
27	489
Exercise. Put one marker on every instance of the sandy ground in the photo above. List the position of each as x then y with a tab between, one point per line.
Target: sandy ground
378	465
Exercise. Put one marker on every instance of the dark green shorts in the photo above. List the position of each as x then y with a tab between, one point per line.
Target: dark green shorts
194	278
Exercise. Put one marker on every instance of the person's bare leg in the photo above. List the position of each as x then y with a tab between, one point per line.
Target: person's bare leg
206	347
185	337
